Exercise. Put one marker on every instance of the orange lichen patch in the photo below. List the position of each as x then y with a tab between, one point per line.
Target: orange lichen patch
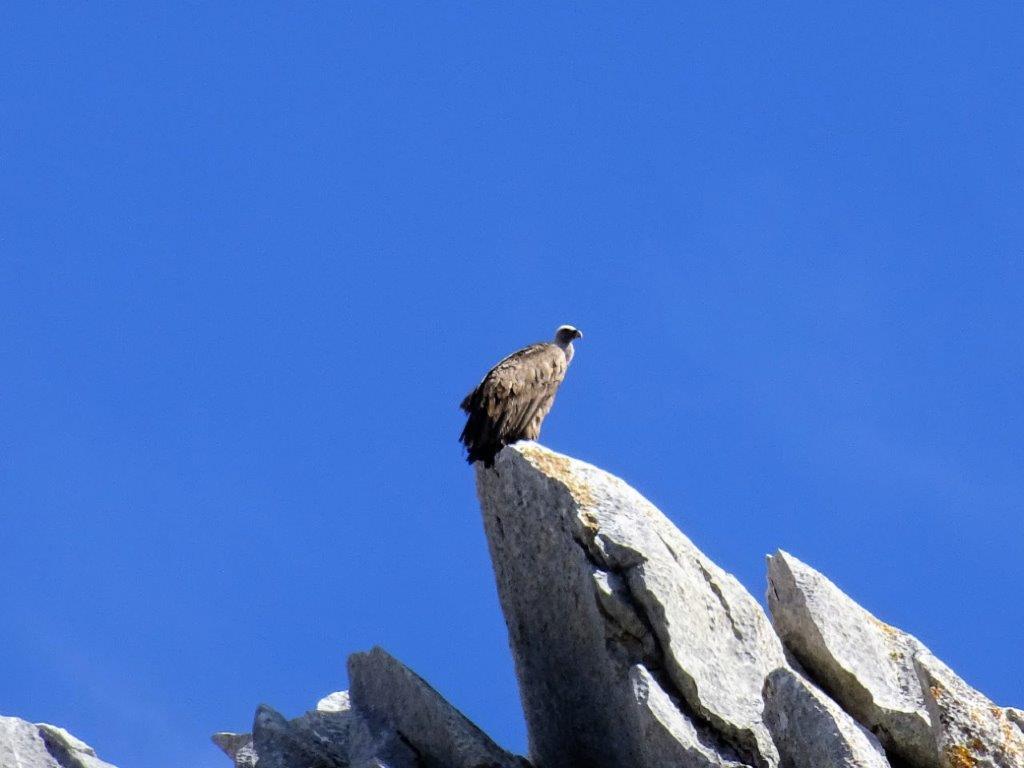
1013	744
960	756
937	691
559	468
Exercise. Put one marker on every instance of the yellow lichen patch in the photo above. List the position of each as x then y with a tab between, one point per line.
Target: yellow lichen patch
888	629
960	757
590	522
559	468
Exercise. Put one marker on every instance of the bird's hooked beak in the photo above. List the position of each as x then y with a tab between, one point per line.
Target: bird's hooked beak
579	334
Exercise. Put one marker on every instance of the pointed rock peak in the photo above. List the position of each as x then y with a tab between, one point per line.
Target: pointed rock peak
593	578
920	710
385	689
231	743
863	663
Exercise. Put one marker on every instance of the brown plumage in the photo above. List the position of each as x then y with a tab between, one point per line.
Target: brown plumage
514	397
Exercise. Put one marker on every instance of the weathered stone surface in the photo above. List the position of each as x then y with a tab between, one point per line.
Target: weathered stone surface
812	731
69	751
921	711
671	739
322	737
385	689
26	745
1016	716
593	579
865	665
391	718
970	731
21	746
283	744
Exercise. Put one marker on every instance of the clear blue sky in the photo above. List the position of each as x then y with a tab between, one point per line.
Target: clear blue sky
251	258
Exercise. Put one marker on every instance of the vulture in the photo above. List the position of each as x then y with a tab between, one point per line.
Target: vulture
514	397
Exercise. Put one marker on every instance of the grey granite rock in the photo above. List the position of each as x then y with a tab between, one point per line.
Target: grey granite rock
390	718
634	650
283	744
593	579
237	746
322	737
69	751
21	746
812	731
922	712
970	731
864	664
671	739
27	745
383	688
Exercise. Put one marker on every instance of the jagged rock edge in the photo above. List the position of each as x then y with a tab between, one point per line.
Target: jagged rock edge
805	667
705	723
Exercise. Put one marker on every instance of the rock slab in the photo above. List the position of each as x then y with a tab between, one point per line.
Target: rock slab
921	711
812	731
384	689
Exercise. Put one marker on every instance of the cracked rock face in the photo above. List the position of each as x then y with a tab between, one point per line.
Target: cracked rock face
671	738
922	712
970	731
26	745
594	580
812	731
864	664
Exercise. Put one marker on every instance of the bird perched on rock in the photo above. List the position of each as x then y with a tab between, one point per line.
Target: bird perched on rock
514	397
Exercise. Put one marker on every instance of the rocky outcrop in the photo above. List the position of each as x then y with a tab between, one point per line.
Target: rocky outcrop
921	711
632	650
28	745
866	665
600	590
391	718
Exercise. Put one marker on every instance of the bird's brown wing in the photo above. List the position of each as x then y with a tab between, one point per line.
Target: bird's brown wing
515	391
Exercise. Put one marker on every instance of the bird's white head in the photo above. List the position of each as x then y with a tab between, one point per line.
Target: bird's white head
566	334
